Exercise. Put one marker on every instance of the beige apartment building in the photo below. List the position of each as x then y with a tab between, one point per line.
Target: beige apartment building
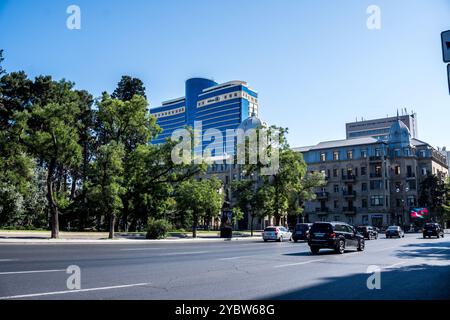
372	180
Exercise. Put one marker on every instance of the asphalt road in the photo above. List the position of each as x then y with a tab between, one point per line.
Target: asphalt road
410	268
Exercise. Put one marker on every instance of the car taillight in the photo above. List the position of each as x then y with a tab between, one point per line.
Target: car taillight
332	235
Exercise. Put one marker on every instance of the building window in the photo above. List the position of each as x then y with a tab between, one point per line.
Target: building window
424	171
376	185
336	188
364	203
350	154
377	152
364	186
363	154
407	152
336	204
323	157
411	201
336	155
376	201
363	171
397	152
335	172
397	170
336	218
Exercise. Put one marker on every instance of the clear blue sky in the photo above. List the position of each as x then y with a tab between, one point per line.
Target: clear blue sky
314	63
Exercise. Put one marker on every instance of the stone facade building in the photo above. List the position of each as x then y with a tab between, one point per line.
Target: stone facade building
371	180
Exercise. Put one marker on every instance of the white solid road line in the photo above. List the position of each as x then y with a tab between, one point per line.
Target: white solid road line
181	253
141	249
297	263
73	291
32	271
234	258
394	265
7	260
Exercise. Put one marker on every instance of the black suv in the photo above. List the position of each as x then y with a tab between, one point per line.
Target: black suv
334	235
301	231
368	232
433	230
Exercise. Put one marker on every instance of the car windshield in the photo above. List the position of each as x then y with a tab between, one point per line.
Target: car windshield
270	229
430	226
393	228
321	227
301	227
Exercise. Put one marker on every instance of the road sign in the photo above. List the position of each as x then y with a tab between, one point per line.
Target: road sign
445	37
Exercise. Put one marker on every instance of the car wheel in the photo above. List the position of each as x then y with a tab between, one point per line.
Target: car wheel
361	245
280	239
424	236
295	240
314	250
340	247
265	240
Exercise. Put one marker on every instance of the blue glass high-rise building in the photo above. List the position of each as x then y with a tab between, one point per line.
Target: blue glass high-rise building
218	106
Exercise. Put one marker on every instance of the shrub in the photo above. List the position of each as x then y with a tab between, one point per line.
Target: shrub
157	228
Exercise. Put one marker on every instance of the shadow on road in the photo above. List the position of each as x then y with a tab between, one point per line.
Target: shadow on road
421	282
431	249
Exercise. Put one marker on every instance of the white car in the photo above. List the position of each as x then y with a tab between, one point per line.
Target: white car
276	233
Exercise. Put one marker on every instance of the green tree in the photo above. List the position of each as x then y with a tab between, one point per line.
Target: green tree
446	203
106	189
199	198
152	177
128	123
128	87
432	195
55	142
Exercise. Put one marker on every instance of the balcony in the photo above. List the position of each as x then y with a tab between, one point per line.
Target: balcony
322	195
349	194
376	175
349	210
375	158
348	177
411	176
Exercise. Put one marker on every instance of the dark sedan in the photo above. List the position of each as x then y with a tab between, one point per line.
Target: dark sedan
394	231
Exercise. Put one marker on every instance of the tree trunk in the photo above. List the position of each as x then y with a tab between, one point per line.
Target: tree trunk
194	227
51	202
112	221
251	225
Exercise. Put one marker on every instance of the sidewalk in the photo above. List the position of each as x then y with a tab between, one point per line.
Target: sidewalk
30	237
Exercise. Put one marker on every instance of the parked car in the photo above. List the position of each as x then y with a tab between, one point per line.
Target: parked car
277	233
433	230
301	231
368	232
334	235
394	231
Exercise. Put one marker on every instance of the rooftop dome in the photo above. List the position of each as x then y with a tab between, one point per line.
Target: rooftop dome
399	132
252	122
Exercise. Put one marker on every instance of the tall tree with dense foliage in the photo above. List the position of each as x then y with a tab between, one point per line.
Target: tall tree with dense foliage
432	195
107	181
199	198
54	141
128	87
